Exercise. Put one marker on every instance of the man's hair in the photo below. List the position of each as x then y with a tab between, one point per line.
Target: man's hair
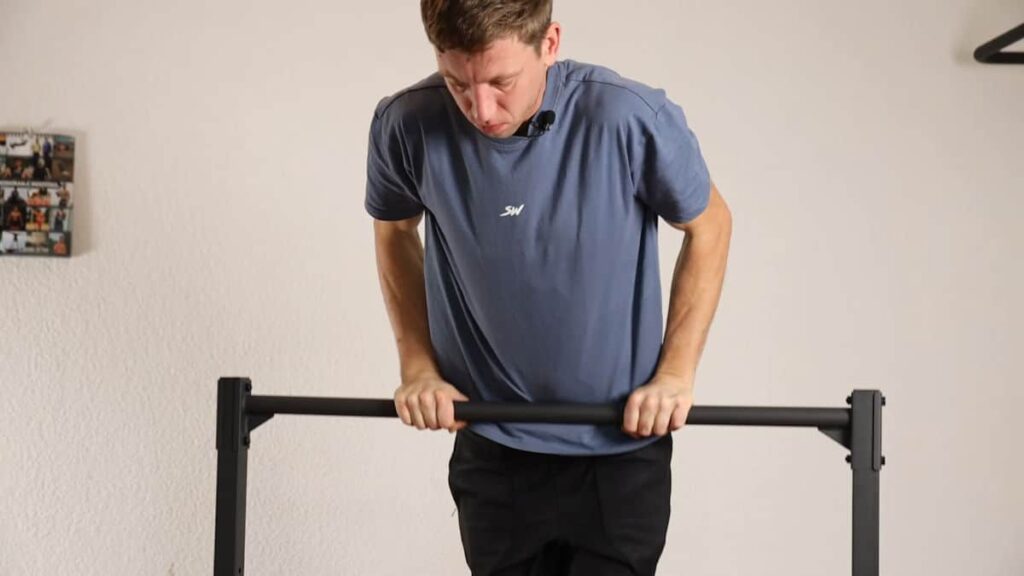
471	25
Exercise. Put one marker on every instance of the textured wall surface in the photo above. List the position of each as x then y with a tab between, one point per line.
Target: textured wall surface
875	176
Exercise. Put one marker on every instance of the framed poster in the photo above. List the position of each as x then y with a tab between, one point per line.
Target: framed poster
36	194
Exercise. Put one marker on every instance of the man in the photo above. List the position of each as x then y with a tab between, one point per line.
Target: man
542	182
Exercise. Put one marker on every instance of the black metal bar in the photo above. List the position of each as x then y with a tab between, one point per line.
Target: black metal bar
991	52
866	461
554	413
859	428
232	467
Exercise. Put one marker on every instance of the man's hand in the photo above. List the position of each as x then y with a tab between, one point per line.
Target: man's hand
658	407
427	402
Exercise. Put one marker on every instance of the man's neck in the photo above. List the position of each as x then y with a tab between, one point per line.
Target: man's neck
524	128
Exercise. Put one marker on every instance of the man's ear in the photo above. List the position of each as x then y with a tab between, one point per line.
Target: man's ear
552	41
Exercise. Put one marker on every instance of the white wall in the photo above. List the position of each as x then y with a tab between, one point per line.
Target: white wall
875	176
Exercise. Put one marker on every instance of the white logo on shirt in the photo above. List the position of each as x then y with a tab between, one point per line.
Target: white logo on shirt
513	210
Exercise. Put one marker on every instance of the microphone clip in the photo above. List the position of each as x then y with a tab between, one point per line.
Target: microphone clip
543	122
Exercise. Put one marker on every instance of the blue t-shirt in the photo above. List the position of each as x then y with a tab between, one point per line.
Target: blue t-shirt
541	262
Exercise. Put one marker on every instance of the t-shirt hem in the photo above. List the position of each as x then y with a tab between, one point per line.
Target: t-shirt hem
391	215
693	213
520	444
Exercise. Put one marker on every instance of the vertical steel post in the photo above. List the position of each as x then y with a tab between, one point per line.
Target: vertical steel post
866	460
232	466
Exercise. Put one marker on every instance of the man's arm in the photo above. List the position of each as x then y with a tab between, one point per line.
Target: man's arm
663	404
423	399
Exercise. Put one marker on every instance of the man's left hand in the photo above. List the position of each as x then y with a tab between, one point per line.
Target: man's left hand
658	407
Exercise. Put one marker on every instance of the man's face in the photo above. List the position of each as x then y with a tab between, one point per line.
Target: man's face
502	86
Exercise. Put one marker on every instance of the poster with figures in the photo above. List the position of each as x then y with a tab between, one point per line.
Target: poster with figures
36	194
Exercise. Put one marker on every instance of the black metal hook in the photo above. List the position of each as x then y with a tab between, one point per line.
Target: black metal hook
991	51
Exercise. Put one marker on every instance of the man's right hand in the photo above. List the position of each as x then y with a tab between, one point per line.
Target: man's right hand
428	402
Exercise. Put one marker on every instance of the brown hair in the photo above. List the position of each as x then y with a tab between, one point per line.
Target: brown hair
471	25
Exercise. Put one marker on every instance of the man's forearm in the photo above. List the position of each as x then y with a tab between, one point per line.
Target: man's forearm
400	270
696	288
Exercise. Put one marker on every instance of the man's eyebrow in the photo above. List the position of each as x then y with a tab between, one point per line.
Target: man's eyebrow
498	78
503	77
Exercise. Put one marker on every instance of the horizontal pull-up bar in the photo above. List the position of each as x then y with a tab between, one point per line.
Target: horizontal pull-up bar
239	412
551	412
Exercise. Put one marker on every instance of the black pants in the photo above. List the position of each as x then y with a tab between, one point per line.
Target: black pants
528	514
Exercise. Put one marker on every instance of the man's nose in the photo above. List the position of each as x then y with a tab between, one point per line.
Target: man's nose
484	106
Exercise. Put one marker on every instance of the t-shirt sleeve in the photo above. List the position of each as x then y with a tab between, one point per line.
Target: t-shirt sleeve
391	192
671	176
